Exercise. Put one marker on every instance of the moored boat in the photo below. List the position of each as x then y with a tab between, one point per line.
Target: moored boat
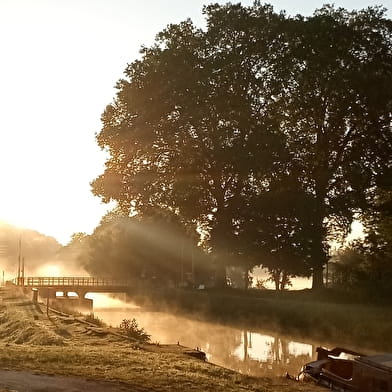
345	370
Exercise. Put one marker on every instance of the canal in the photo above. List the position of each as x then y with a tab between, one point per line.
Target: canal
246	350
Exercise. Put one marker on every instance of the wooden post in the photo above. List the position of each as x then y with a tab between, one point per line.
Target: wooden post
23	271
47	302
19	258
35	296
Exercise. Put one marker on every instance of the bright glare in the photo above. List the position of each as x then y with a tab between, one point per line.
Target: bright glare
298	349
259	346
356	231
105	301
50	270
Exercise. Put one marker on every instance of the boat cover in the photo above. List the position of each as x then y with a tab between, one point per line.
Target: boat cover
381	361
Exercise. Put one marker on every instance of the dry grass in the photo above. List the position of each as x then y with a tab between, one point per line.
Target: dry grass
64	346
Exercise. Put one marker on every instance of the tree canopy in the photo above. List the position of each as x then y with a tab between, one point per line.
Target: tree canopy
156	249
264	131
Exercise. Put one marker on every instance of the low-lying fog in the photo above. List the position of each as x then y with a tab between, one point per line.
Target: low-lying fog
258	353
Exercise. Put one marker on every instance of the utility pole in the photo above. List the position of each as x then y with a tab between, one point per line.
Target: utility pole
23	270
19	252
3	252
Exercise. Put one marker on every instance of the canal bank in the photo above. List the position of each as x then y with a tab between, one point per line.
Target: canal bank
255	348
323	316
261	353
32	341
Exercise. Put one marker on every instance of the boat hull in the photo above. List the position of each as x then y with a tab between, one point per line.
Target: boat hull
349	371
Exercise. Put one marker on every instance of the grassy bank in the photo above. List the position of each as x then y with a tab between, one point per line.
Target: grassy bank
67	345
305	314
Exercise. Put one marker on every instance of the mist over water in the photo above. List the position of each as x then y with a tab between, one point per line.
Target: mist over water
256	353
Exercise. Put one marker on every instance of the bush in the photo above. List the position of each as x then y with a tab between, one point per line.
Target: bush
132	330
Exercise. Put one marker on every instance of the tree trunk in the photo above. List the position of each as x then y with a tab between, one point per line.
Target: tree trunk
277	280
220	275
220	243
319	257
284	281
322	175
246	278
317	278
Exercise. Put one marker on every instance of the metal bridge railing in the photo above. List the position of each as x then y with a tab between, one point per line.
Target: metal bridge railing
70	281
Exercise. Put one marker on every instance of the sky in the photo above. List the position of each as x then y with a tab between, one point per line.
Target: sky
60	61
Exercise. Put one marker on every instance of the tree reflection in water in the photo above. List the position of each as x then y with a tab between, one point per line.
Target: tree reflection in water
254	353
265	355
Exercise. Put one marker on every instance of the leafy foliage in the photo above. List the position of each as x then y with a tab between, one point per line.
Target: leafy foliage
264	131
367	265
132	329
337	112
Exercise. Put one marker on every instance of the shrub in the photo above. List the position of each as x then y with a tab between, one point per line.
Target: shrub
132	330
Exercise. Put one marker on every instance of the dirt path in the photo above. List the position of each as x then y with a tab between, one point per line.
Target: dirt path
23	381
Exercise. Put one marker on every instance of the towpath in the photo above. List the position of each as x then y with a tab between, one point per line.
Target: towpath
25	381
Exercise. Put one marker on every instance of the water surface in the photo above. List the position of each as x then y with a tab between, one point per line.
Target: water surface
246	350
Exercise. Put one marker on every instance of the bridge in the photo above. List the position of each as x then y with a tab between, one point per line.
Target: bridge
48	286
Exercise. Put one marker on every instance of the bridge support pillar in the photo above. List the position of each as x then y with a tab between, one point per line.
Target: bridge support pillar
46	292
81	293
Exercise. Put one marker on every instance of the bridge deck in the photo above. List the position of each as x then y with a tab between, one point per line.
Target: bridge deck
71	282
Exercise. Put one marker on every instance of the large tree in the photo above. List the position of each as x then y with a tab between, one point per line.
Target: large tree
190	129
365	265
377	246
336	109
209	122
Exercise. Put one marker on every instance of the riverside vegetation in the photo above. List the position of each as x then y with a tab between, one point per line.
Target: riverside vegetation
326	315
59	344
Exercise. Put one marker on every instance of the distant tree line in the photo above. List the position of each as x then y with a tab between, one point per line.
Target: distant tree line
262	134
23	246
365	267
157	249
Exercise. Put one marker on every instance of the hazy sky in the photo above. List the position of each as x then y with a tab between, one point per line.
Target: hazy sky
60	60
